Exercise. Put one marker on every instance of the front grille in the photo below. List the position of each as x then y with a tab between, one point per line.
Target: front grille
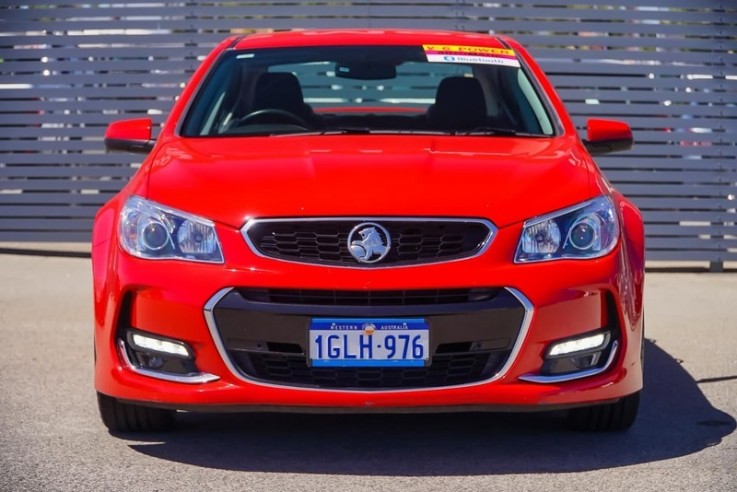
367	297
264	334
325	241
446	370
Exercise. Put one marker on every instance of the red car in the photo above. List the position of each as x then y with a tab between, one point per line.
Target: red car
368	221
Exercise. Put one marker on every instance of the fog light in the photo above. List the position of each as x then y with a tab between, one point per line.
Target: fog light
148	343
591	342
152	361
586	361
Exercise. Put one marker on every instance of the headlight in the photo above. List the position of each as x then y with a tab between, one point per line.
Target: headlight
588	230
149	230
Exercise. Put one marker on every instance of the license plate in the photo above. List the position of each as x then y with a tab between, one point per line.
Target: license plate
363	342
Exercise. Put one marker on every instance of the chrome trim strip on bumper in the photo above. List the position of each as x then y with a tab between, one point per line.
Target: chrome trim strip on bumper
210	319
562	378
484	245
198	378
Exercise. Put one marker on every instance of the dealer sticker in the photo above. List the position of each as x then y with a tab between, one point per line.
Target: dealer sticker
442	53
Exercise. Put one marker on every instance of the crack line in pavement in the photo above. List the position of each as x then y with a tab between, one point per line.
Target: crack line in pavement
716	380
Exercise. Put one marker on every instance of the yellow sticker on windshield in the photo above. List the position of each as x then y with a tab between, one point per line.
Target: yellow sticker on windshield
443	53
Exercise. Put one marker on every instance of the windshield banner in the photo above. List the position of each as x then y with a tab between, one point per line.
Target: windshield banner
440	53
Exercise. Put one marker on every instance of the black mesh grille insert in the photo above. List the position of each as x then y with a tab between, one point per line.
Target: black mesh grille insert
326	241
368	298
445	370
265	334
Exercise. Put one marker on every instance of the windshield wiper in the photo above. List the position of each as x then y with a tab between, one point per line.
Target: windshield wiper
346	130
491	131
329	131
379	131
479	131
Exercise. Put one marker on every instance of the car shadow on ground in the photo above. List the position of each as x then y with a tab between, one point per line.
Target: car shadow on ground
675	419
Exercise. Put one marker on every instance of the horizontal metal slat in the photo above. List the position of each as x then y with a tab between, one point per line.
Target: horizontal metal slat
712	243
661	95
626	162
636	57
89	185
42	145
639	29
684	177
679	213
723	111
23	131
103	62
214	14
222	29
677	151
43	235
118	105
661	135
104	93
677	234
14	49
656	85
99	79
537	12
565	40
657	4
683	203
61	198
65	172
116	37
59	118
54	224
675	254
626	70
652	123
24	211
684	190
100	157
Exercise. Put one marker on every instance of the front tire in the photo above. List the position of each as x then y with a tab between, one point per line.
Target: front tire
612	417
125	417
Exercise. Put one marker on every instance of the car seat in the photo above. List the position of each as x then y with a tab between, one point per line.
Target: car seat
459	105
281	91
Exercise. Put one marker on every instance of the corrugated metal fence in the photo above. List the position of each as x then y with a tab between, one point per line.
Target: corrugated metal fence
69	68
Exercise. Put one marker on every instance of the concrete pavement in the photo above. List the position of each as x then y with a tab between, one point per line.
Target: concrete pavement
51	437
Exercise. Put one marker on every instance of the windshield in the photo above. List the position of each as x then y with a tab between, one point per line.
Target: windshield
368	89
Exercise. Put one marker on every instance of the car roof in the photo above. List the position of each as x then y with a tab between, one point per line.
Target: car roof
343	37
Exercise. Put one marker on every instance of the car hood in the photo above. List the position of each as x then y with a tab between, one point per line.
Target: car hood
505	180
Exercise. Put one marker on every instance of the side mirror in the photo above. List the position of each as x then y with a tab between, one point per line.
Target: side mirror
604	136
129	136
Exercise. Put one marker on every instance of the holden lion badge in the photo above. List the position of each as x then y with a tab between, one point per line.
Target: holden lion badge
369	242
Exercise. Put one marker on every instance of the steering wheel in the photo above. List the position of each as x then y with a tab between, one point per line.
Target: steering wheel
281	114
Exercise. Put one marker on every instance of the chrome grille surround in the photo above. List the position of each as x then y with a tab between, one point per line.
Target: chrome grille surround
501	372
324	240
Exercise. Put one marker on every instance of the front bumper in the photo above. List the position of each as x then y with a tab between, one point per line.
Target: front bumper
561	299
261	335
